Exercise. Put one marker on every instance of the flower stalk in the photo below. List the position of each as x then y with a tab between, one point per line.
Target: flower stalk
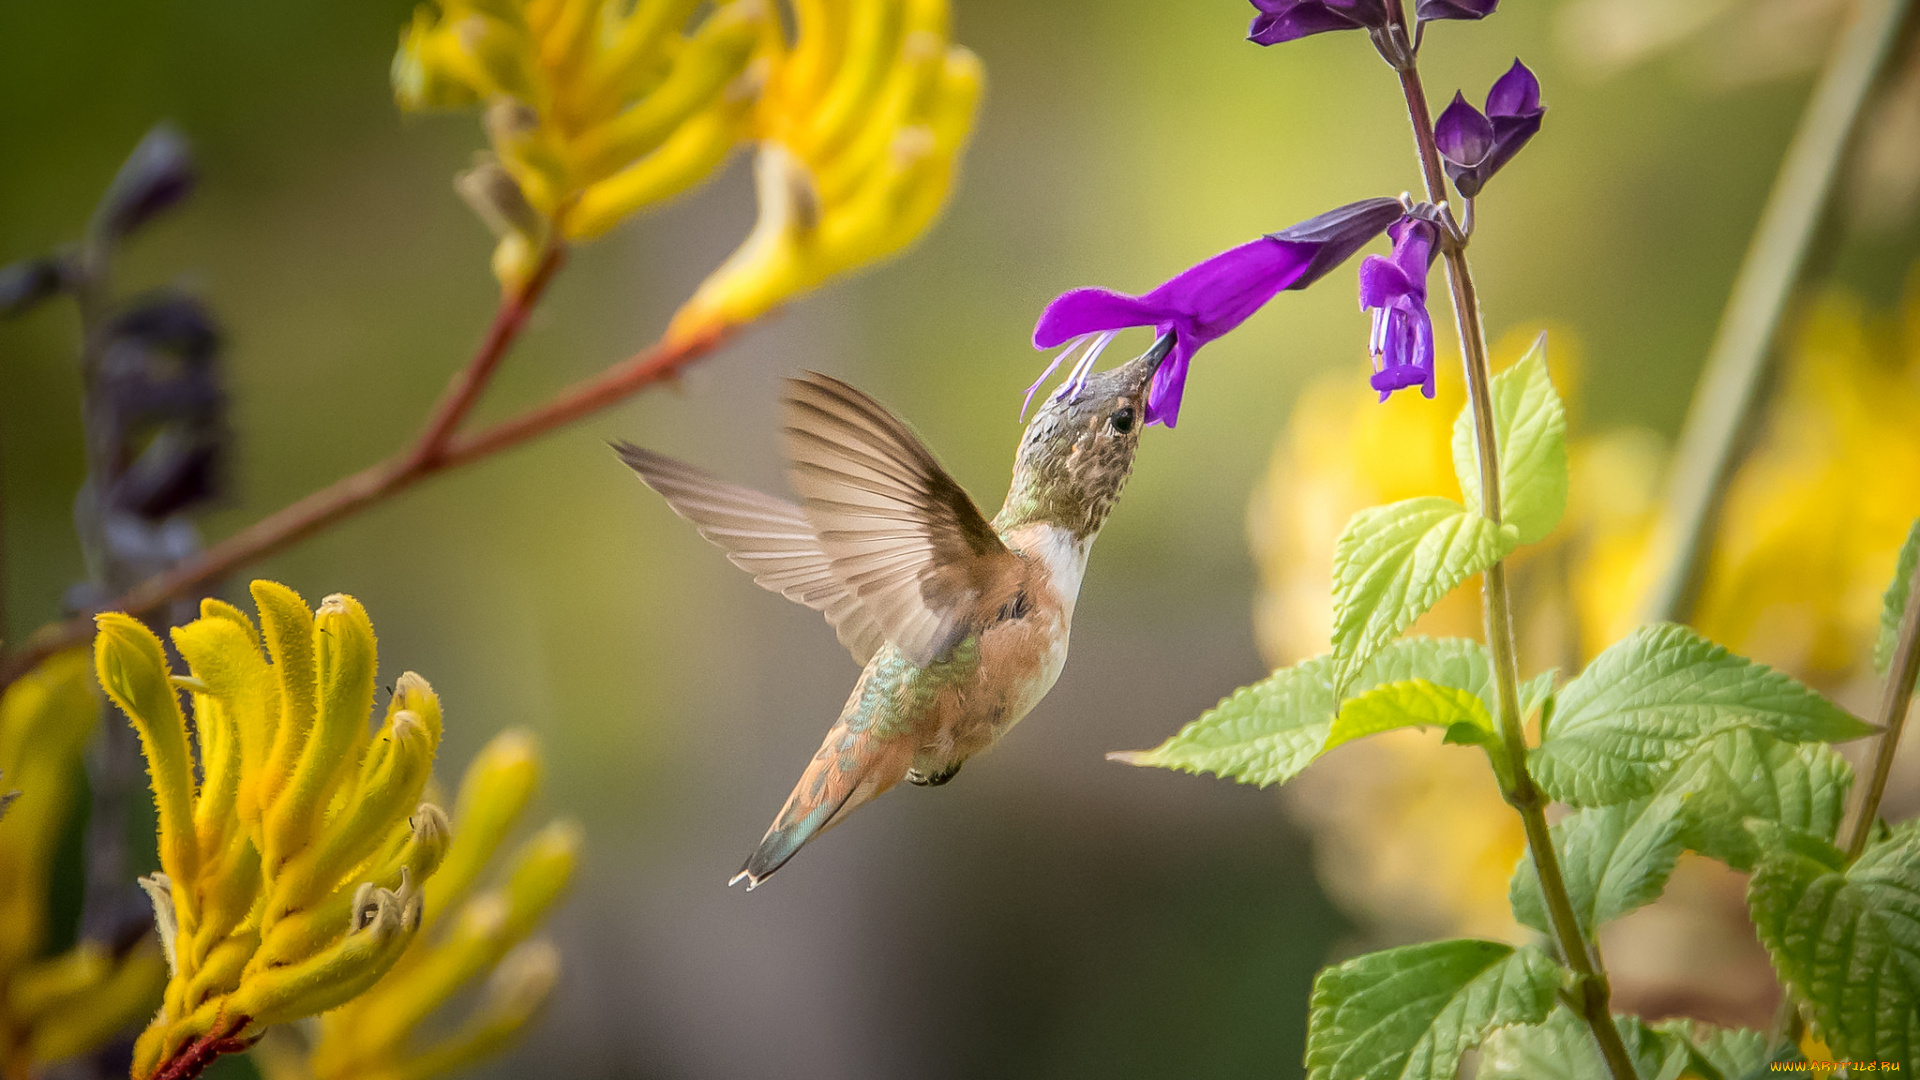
1591	995
1901	676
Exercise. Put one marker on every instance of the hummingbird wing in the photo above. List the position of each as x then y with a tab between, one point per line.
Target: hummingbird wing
770	538
902	535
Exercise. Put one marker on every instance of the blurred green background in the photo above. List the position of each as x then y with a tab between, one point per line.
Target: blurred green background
1050	914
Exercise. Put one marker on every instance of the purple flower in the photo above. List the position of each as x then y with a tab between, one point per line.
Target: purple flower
1395	287
1429	10
1290	20
1207	300
1475	146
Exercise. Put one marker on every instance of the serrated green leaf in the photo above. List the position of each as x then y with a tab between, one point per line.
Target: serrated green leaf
1650	699
1267	732
1395	562
1744	773
1846	939
1454	693
1894	604
1717	1053
1530	431
1262	734
1411	703
1409	1013
1563	1048
1613	859
1617	857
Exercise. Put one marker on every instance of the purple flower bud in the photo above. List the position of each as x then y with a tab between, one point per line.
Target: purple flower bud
1465	137
1395	288
1211	298
1475	146
1290	20
1429	10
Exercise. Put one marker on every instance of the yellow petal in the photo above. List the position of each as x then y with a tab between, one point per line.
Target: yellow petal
133	670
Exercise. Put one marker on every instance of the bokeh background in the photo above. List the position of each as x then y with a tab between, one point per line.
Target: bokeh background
1049	914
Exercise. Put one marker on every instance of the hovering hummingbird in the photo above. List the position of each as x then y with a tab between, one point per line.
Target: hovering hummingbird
961	623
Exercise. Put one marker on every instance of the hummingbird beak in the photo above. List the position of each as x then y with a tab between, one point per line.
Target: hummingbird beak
1141	369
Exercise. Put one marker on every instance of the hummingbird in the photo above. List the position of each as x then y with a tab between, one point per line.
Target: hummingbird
960	623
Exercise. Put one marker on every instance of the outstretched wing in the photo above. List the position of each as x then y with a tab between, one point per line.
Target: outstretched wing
902	536
767	537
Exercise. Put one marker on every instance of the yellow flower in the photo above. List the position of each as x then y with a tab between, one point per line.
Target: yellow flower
52	1007
466	937
594	108
292	873
860	128
1816	514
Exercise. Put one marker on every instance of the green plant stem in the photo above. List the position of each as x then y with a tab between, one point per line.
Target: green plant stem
1731	390
1591	991
1894	702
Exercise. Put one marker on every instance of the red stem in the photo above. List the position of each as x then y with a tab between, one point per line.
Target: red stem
438	449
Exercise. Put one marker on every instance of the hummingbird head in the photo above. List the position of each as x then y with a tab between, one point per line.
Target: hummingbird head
1077	453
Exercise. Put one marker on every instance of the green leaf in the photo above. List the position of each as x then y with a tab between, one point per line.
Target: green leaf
1613	859
1426	682
1409	1013
1535	691
1846	939
1894	605
1267	732
1564	1048
1395	562
1262	734
1413	703
1617	857
1651	698
1530	430
1718	1053
1744	774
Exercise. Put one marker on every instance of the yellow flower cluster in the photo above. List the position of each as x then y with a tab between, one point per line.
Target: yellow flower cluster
1817	512
466	937
594	109
53	1007
861	126
292	871
598	108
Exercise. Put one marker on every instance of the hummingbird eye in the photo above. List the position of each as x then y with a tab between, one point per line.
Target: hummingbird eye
1122	420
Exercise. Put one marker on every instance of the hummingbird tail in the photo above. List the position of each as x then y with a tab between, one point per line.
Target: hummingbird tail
847	772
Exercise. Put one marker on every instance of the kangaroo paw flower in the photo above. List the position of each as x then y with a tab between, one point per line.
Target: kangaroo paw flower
292	869
594	111
861	126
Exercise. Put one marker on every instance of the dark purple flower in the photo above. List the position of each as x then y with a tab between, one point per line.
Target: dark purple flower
1429	10
1395	287
1475	146
1290	20
1206	301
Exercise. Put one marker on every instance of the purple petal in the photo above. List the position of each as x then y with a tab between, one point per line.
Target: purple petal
1464	136
1169	384
1381	282
1338	233
1290	20
1213	297
1517	93
1429	10
1088	311
1413	251
1509	135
